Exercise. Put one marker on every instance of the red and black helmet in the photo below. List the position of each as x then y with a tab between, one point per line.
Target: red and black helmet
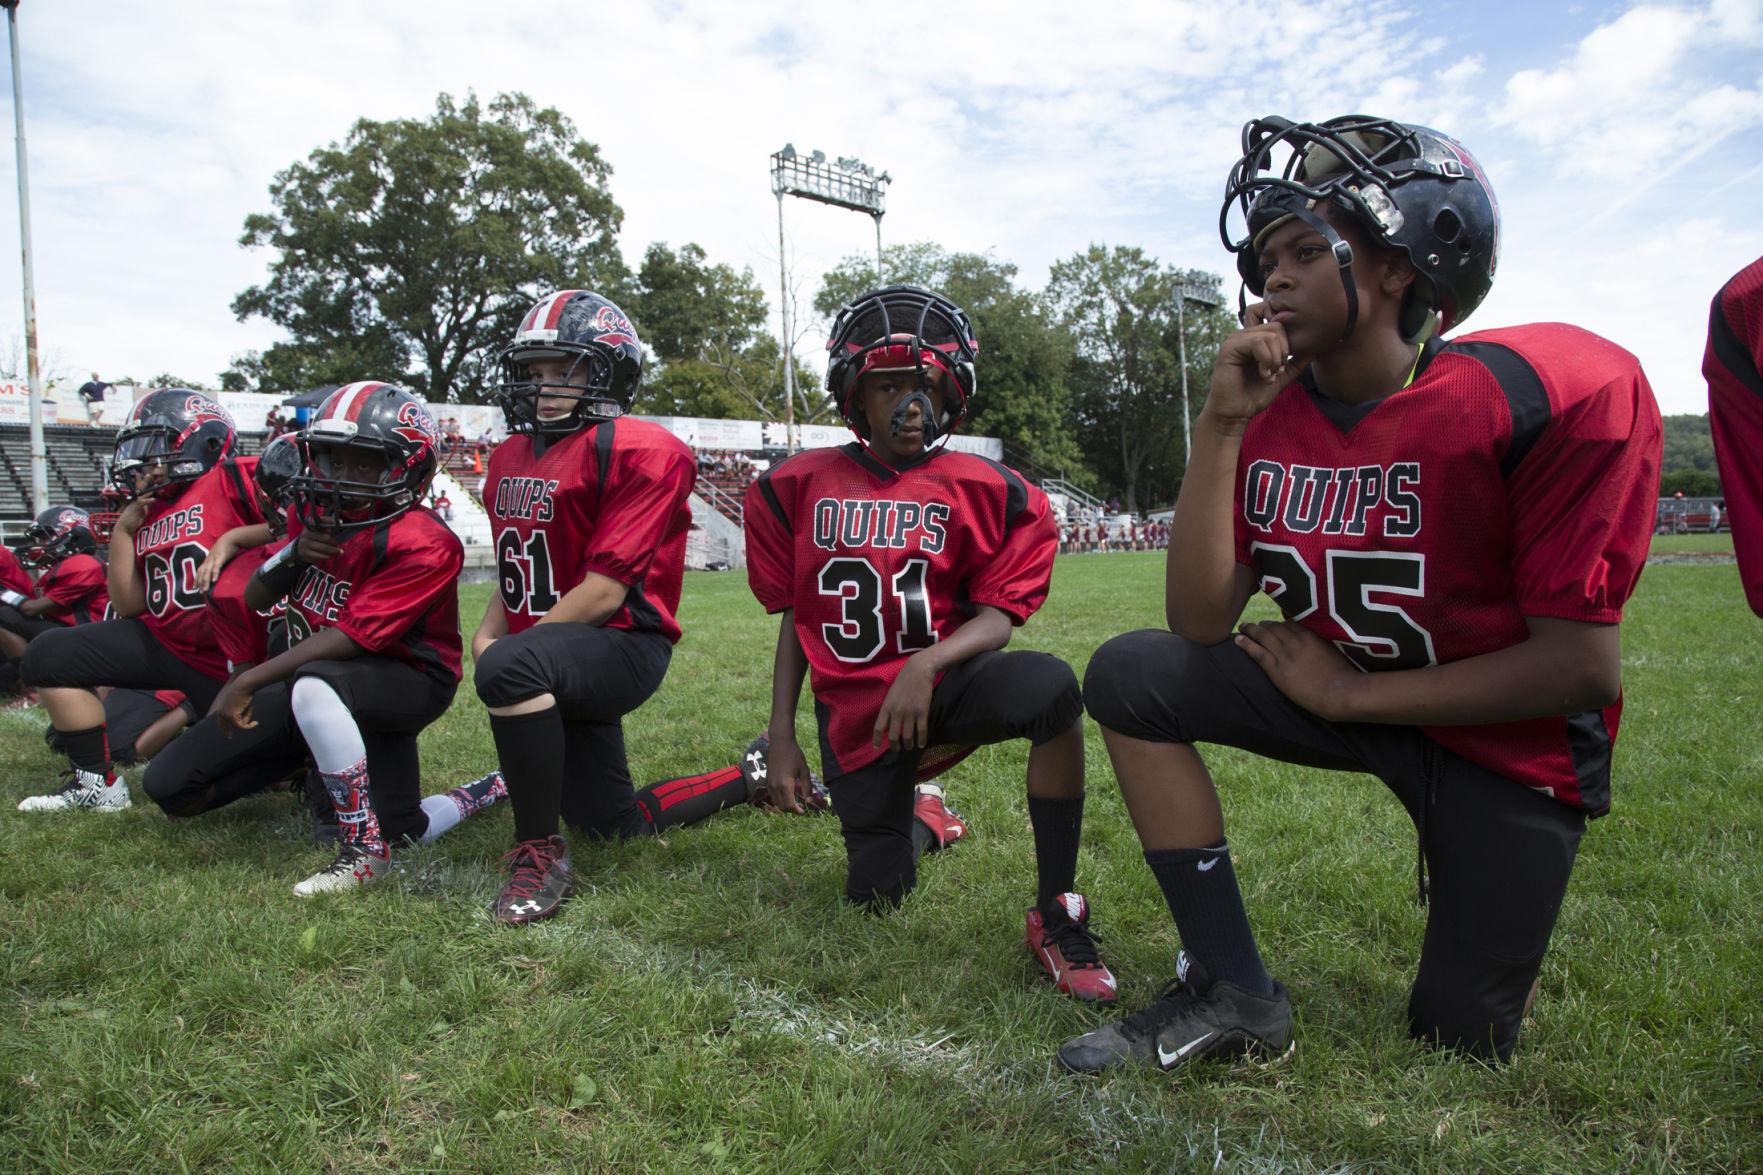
1410	187
896	328
598	342
277	467
367	417
55	534
184	431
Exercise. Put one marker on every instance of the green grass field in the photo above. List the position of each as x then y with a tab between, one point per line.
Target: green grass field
707	1003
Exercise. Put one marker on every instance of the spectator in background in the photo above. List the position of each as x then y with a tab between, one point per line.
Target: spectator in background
444	506
1714	517
92	393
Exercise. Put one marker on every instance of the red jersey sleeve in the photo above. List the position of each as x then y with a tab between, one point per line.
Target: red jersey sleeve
76	578
771	541
397	594
1733	366
1580	503
241	633
645	489
13	576
1015	580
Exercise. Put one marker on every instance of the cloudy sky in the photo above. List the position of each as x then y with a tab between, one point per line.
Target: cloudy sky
1625	141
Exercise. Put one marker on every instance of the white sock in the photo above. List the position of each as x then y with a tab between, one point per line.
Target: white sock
443	814
330	730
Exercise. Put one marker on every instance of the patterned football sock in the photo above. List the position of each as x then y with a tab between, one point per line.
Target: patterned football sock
447	810
355	815
1201	888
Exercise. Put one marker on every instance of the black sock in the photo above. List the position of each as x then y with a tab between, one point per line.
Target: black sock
88	749
922	838
1201	888
529	748
691	798
1057	823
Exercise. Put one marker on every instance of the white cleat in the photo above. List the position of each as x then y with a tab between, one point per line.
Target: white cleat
352	869
83	789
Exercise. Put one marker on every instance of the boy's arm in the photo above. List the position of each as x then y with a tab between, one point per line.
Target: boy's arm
904	717
128	596
233	706
240	538
1204	587
592	601
492	628
1563	667
786	764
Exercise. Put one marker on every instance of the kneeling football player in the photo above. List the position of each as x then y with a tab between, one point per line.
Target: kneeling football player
590	514
370	579
173	457
1450	528
899	568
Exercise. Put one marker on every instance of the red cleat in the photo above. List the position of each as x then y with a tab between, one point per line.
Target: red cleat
945	825
1062	942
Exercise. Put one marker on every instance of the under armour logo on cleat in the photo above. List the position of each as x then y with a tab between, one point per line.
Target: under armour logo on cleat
526	907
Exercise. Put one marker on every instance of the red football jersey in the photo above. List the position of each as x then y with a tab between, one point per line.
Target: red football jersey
241	631
173	542
1516	476
609	499
879	563
1733	365
79	587
13	576
392	589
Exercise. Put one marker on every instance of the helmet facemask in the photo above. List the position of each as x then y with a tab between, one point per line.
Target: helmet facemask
900	328
329	496
587	381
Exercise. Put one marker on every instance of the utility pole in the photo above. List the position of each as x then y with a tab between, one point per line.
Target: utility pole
39	455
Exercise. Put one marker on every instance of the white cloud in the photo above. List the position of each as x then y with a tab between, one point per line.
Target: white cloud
1030	129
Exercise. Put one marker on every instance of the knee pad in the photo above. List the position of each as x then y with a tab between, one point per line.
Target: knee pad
1118	689
508	673
1045	700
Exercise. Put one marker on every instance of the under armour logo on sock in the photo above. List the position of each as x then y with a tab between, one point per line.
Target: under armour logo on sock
757	761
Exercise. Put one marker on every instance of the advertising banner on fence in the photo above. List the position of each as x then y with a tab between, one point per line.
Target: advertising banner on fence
15	404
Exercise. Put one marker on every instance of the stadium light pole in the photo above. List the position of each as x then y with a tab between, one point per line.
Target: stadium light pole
844	183
1185	293
39	456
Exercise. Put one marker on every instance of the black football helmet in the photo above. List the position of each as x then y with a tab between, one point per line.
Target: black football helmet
898	327
1411	187
597	341
378	419
277	466
182	430
56	533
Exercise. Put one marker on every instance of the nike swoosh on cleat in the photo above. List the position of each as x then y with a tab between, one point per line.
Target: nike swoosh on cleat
1166	1059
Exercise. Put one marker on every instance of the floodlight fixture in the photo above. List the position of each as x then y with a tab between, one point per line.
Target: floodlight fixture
848	182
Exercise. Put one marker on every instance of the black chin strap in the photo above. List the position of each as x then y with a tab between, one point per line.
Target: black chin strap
1343	255
927	420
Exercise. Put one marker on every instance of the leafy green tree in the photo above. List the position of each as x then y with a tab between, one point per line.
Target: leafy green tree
706	325
1025	357
411	249
1119	305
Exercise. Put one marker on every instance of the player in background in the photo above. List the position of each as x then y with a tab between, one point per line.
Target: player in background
1731	365
14	581
370	579
70	584
210	767
898	568
173	458
1451	529
590	517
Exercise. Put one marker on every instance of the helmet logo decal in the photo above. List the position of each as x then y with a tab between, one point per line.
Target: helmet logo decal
415	424
616	330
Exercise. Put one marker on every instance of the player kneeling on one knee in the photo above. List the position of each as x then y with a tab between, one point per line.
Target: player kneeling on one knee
370	576
899	568
590	515
1450	528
